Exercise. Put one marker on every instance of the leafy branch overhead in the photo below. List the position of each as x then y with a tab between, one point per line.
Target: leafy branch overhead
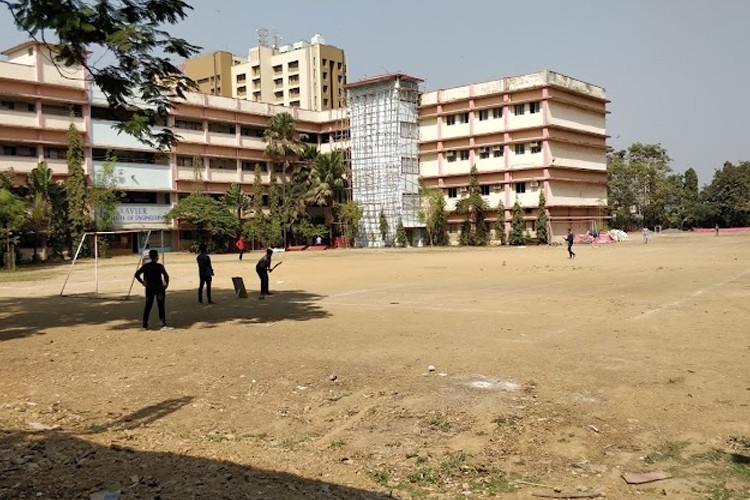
141	80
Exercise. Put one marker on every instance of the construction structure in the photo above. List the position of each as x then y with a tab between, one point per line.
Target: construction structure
383	117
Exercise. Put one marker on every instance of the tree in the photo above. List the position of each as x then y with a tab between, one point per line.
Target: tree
326	182
517	226
137	66
383	226
77	193
210	217
434	215
500	224
12	218
283	145
105	195
474	230
255	227
274	226
38	182
350	213
400	233
728	196
637	186
236	200
542	220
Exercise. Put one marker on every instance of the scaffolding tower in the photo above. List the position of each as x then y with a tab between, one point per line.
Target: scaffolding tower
383	123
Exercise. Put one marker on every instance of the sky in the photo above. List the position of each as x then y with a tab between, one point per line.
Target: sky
669	67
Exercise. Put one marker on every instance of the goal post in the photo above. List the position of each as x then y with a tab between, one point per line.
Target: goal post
92	286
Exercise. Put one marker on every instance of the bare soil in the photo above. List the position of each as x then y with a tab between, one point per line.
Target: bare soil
551	376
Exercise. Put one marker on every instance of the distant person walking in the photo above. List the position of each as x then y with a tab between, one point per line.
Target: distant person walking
263	267
570	238
645	235
716	227
205	273
155	279
240	245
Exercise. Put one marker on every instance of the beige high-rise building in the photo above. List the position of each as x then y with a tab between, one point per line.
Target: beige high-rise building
309	75
213	72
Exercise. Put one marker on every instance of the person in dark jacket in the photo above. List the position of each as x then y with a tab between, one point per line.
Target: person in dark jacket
263	267
155	279
570	238
205	273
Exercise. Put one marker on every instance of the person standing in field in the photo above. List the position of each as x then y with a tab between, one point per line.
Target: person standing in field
263	267
645	235
155	279
716	227
240	245
569	239
205	273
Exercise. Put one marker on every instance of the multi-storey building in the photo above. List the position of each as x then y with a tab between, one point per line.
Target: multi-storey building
384	163
309	75
213	72
536	133
220	140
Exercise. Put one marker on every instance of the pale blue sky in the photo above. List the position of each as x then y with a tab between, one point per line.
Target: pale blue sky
676	71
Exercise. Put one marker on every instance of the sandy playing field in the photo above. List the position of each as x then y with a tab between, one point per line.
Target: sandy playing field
551	376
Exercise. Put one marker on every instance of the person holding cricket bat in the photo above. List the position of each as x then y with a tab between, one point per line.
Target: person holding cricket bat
263	267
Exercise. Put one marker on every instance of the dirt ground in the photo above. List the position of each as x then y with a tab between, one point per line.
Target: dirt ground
492	372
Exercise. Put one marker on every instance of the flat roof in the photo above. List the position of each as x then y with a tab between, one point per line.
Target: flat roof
383	78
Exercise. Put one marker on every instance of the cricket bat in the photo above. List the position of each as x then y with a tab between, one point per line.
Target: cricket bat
276	265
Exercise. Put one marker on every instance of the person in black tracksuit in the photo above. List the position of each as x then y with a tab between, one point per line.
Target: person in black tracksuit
263	267
570	238
205	273
155	279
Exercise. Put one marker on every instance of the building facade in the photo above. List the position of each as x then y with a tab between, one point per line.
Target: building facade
308	75
537	133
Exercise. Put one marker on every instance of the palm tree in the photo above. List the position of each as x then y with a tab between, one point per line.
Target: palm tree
39	181
283	146
327	179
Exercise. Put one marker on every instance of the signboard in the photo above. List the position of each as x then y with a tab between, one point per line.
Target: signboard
138	216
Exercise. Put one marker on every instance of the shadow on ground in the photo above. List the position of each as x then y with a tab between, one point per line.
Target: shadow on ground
22	317
54	464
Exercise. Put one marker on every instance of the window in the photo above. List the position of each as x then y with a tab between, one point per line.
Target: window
19	151
450	120
241	78
202	81
535	107
497	113
452	192
450	156
536	146
221	128
484	153
464	154
9	105
126	156
498	150
55	153
409	130
223	163
187	161
520	149
277	69
483	114
409	165
242	90
463	118
294	91
188	125
519	109
520	187
484	189
294	104
251	132
28	107
293	79
293	65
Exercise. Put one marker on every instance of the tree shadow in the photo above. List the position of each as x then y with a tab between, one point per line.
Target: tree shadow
145	415
57	464
23	317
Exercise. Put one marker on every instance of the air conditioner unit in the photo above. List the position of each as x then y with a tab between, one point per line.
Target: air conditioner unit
483	150
534	184
535	144
499	147
450	154
498	187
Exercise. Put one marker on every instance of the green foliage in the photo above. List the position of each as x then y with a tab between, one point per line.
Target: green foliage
209	217
542	220
255	227
474	230
236	201
104	195
40	209
400	233
383	226
138	48
310	231
517	226
434	215
77	192
500	224
59	231
12	218
274	226
727	199
350	213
